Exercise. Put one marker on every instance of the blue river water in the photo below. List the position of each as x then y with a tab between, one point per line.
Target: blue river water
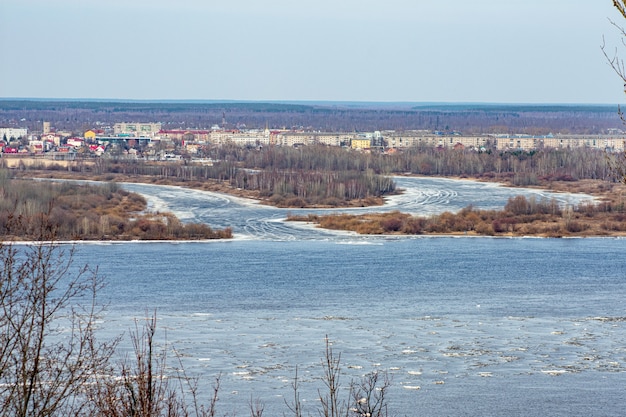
463	326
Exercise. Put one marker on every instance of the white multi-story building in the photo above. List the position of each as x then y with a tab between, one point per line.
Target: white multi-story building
517	142
9	133
136	129
241	138
426	138
312	138
527	142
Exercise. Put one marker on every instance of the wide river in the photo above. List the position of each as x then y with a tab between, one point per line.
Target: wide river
463	326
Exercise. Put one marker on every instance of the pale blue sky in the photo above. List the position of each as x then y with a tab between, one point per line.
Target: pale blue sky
507	51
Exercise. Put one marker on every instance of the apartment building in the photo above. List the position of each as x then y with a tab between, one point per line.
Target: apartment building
516	142
613	142
527	142
361	143
136	129
290	138
408	139
186	135
11	132
241	138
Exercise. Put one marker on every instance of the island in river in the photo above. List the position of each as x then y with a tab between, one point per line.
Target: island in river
44	210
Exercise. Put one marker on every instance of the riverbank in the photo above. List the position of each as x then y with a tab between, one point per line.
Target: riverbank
602	217
69	211
206	185
599	189
519	216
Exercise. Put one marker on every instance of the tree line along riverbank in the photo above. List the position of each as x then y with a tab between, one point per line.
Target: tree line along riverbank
46	210
605	216
328	177
324	176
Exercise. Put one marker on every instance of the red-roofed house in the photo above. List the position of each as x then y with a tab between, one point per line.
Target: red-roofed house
97	149
75	142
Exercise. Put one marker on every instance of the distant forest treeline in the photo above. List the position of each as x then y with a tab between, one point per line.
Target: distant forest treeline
340	117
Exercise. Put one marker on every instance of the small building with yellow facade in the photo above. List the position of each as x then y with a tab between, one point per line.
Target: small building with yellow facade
90	136
361	143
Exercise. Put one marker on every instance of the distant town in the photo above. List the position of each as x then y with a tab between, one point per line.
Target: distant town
151	141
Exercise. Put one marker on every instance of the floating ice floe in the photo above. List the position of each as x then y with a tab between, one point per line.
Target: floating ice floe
554	372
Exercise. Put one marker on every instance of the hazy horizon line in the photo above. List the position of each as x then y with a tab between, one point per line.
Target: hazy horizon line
309	102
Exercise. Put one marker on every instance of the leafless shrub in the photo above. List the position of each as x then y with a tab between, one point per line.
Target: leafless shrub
48	350
332	406
296	406
141	387
364	398
369	395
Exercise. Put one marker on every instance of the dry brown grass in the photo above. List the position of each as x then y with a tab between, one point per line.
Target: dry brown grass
520	217
69	211
473	222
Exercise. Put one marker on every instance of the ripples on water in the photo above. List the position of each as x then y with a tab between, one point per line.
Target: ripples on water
481	326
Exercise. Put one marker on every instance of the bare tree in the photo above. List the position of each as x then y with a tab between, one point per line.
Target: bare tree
256	407
617	163
332	406
614	60
366	398
142	390
296	406
48	350
141	387
369	396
